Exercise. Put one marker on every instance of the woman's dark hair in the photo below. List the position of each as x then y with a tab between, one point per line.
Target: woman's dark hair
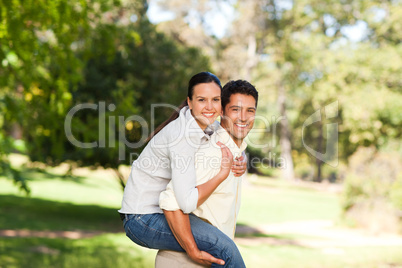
200	78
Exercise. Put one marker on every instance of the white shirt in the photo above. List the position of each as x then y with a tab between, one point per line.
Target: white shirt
169	154
222	207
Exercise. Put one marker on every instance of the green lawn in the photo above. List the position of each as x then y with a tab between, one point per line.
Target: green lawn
277	202
90	203
109	250
301	257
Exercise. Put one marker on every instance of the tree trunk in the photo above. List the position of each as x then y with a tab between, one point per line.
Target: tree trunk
318	177
120	178
251	57
284	141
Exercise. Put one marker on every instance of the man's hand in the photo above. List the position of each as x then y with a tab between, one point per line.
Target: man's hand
204	258
179	223
239	166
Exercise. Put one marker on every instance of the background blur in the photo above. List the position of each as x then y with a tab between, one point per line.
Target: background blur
324	187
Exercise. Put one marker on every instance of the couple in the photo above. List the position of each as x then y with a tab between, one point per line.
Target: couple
183	192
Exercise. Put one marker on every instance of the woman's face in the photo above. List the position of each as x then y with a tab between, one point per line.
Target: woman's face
206	103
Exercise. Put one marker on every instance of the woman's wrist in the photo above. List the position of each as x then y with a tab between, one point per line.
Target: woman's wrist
223	174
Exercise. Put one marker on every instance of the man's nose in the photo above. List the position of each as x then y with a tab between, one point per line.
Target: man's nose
243	116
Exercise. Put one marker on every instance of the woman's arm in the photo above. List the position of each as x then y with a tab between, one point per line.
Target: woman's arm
179	223
188	195
207	188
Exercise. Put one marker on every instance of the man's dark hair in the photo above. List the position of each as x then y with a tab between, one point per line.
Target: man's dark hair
238	86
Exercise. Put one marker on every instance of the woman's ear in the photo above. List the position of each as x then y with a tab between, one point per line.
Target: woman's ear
189	103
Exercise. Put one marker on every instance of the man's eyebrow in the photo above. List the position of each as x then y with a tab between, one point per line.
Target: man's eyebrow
238	106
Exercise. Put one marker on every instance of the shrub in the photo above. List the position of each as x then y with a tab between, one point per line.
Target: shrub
372	191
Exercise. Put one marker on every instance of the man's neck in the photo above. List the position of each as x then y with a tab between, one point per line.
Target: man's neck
237	141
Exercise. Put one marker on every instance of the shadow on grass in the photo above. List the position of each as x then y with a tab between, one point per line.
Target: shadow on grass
38	214
36	173
101	251
246	234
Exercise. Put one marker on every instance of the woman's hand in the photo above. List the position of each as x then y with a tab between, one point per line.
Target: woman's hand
227	158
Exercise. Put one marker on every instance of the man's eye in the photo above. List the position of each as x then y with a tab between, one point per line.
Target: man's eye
201	100
217	100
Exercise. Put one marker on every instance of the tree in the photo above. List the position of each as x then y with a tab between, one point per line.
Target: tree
38	64
104	55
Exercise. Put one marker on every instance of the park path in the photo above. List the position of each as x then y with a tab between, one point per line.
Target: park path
78	234
315	234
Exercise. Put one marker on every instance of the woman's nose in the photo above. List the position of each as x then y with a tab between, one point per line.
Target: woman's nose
209	105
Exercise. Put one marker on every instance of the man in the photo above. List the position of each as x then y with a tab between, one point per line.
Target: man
239	103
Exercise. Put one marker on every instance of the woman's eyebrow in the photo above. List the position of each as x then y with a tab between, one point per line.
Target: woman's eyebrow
206	97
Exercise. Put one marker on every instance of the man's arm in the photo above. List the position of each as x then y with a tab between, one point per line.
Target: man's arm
179	223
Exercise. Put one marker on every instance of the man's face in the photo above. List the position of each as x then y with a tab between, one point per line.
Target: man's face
238	116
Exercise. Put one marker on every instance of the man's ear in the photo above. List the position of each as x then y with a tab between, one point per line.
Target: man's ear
189	103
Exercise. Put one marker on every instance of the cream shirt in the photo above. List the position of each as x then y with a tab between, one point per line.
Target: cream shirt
170	154
222	207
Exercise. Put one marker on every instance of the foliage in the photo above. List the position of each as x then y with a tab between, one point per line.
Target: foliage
77	52
309	53
371	188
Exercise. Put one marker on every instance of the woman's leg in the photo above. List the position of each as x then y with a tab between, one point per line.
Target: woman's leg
152	231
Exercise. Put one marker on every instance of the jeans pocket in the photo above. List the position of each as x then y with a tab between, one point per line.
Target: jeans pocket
134	231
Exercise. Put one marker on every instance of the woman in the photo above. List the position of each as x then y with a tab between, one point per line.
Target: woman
169	155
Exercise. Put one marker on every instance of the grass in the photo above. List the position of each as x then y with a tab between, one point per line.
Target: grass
274	204
111	250
40	214
89	202
302	257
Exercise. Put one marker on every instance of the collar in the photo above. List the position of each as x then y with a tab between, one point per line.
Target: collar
224	136
192	128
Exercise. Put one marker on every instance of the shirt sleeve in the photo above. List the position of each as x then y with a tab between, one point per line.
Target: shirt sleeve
182	157
167	199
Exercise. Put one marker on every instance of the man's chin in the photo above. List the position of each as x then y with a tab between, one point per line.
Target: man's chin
240	136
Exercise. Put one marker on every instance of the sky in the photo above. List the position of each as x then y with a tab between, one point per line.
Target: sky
218	20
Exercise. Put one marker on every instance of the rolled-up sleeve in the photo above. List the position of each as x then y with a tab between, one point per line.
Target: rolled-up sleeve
167	199
183	181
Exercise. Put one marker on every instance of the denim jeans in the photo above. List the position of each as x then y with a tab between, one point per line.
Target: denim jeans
153	231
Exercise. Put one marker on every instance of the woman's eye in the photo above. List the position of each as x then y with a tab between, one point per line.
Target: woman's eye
201	100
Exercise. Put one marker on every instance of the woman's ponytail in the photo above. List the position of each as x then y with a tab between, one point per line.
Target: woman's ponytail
174	116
